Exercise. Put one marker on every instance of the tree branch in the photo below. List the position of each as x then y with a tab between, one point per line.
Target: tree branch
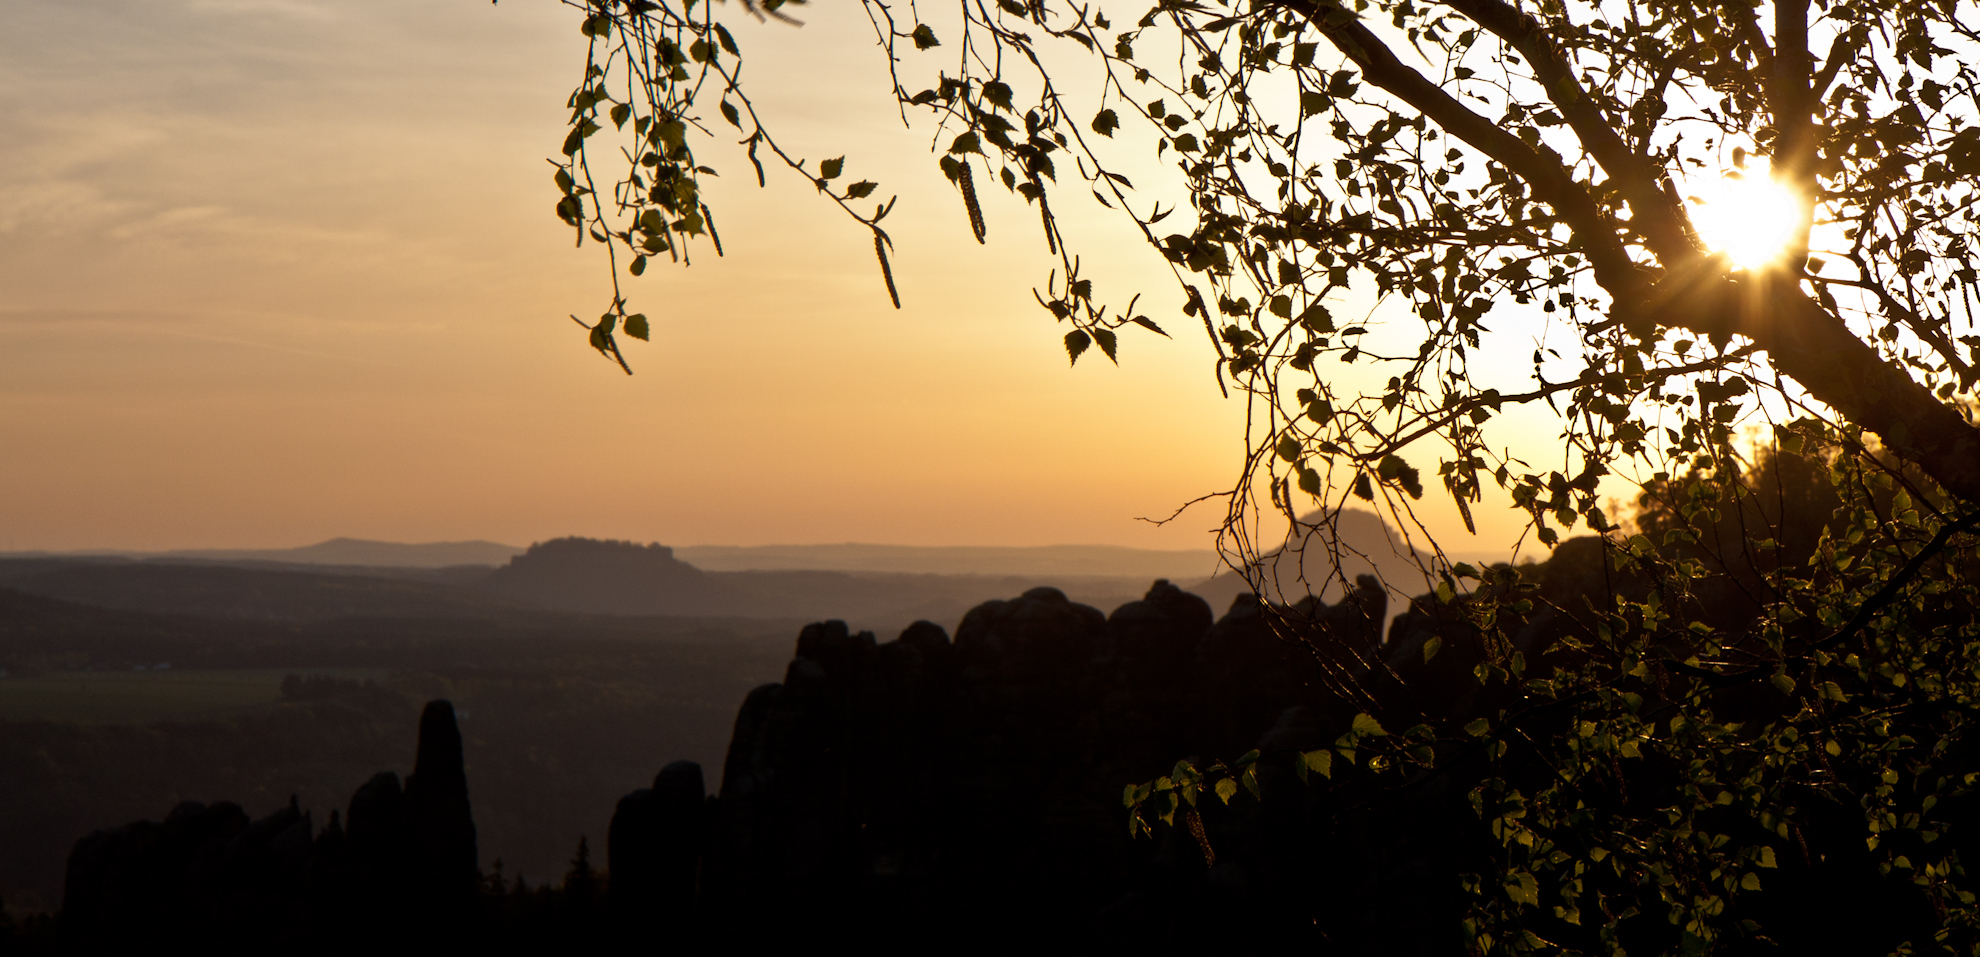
1794	150
1639	178
1540	168
1841	51
1904	576
1806	342
1816	349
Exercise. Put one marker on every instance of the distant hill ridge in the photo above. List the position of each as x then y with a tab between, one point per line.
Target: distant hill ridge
1110	560
348	552
882	587
1052	560
358	551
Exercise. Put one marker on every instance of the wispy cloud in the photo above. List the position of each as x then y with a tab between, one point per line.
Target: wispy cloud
284	8
56	167
267	332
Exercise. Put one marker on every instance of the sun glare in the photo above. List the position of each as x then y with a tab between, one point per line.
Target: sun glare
1751	218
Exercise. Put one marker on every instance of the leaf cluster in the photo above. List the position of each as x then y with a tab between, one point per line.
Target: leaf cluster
650	71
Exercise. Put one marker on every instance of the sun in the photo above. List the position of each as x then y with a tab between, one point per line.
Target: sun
1751	218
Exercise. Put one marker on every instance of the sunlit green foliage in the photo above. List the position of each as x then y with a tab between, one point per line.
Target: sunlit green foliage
1784	664
651	70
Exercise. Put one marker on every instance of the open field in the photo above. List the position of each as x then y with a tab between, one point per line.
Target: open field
102	697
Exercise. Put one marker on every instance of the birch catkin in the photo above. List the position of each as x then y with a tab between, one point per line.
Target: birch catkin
1045	216
886	271
969	201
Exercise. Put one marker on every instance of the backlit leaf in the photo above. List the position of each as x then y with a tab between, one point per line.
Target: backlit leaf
1523	889
1321	761
1105	337
1077	342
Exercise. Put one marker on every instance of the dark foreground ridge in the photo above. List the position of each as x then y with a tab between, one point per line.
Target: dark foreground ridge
902	791
964	793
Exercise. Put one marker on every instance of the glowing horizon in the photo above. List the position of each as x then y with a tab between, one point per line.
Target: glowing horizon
285	270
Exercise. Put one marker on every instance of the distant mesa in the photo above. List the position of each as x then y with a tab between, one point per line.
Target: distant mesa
609	577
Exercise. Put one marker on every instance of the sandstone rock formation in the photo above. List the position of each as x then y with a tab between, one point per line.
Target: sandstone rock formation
403	874
900	792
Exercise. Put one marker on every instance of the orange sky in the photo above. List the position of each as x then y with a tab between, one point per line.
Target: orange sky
281	270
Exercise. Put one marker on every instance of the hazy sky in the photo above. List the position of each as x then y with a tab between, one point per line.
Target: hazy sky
273	271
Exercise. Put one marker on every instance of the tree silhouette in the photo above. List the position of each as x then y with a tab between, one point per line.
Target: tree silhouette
1712	731
1459	157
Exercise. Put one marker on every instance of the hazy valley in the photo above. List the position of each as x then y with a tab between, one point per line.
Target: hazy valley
130	683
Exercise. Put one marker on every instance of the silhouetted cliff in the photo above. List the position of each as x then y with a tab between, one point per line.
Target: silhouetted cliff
209	880
881	790
967	794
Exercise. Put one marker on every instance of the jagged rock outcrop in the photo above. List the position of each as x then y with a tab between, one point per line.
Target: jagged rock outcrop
205	879
1251	665
818	807
1140	682
921	783
654	852
967	794
128	888
439	822
376	841
402	875
889	792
